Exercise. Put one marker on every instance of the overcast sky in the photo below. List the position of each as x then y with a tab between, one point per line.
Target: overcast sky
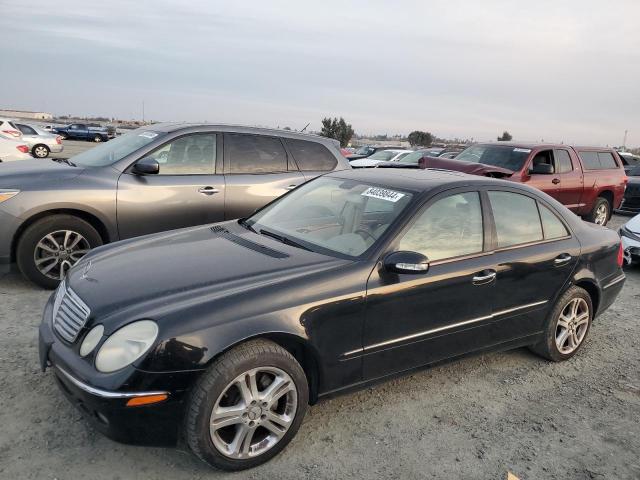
554	70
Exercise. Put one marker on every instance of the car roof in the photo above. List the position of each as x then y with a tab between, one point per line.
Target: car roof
421	180
532	145
170	127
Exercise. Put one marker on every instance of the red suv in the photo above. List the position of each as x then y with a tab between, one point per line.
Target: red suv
590	181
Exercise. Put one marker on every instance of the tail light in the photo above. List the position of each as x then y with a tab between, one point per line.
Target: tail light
58	139
620	255
23	148
13	133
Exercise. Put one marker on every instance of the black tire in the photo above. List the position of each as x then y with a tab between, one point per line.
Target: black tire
97	138
601	202
40	151
212	384
547	347
26	249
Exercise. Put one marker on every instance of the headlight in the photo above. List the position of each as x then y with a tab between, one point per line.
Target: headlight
126	345
7	193
91	340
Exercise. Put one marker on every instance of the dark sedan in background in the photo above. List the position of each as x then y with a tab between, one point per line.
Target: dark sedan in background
631	200
222	335
159	178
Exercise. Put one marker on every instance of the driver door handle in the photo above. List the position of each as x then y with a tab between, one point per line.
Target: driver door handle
208	190
555	181
562	259
483	277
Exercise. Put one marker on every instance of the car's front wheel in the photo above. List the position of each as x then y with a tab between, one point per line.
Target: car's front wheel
52	245
40	151
247	406
97	138
567	326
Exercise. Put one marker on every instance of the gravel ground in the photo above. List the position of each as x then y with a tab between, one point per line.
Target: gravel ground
477	418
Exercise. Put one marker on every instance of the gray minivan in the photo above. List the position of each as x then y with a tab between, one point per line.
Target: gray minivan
156	178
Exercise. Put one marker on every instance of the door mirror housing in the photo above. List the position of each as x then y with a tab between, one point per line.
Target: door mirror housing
406	262
542	169
146	166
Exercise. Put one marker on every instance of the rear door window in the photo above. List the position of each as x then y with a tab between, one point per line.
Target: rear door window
516	218
563	161
590	160
311	156
607	160
254	154
552	226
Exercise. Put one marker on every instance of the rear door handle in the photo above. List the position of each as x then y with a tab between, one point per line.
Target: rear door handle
290	187
555	181
208	190
483	277
562	259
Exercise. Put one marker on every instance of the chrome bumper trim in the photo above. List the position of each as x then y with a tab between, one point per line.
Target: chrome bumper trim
104	393
614	281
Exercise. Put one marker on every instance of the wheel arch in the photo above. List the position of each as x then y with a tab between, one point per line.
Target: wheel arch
90	218
592	289
299	347
608	195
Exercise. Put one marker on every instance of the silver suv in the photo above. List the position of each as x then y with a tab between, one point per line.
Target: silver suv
153	179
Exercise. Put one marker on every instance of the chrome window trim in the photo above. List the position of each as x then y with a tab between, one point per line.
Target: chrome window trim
104	393
393	341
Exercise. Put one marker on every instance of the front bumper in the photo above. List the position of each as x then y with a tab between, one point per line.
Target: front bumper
55	147
631	246
102	398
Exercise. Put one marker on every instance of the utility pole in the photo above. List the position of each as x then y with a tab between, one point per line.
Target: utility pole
624	142
142	111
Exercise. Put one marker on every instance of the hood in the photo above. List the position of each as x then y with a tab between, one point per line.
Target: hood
34	172
152	275
472	168
634	224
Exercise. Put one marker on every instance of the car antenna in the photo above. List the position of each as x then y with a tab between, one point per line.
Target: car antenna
305	127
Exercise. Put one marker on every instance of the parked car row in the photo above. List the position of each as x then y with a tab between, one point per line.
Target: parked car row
39	142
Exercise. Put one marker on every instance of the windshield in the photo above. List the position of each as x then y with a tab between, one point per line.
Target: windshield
383	155
110	152
413	157
504	156
364	151
332	215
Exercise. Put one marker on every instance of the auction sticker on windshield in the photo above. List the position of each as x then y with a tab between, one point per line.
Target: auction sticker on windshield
148	135
383	194
522	150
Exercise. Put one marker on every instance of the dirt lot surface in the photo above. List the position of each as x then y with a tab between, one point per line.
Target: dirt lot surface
474	419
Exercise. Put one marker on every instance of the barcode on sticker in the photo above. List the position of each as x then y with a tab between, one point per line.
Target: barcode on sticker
383	194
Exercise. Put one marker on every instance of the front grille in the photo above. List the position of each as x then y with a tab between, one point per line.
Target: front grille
69	313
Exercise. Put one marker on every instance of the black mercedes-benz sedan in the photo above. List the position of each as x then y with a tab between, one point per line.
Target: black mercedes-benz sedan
218	337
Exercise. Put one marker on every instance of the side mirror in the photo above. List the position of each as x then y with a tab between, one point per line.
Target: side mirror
542	169
406	262
146	166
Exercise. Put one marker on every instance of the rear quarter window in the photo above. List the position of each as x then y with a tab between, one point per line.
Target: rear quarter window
598	160
311	156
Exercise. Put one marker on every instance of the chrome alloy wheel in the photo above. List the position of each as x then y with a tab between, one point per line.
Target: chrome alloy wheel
572	325
253	412
58	251
602	214
41	151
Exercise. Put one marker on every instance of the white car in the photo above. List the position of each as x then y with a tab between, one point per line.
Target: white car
12	150
380	156
9	130
41	142
630	235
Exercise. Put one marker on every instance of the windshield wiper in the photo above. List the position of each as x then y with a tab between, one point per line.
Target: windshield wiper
283	239
245	224
64	160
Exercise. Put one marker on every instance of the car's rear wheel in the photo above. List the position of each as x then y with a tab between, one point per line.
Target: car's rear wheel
601	212
52	245
567	326
247	407
97	138
40	151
